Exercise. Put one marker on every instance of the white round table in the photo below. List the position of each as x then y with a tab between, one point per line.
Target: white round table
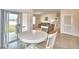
33	37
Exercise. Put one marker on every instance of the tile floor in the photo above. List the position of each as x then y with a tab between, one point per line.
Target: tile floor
63	41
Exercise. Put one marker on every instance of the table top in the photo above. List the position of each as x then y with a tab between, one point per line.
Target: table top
33	36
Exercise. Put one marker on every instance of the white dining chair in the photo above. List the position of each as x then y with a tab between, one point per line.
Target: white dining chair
51	40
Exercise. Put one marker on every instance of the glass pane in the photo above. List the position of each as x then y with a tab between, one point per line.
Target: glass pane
12	27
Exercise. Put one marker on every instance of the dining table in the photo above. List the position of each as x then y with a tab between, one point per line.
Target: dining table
33	37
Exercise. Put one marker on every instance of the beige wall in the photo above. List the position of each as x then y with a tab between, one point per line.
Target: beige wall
75	20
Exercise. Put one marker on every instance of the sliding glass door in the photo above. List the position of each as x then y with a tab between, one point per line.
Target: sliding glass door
12	29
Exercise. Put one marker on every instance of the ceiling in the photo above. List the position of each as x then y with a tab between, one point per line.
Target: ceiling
35	11
41	11
20	10
46	10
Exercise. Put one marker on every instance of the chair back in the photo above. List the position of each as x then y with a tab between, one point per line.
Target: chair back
51	40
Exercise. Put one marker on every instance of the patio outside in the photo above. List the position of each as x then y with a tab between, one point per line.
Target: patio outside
12	27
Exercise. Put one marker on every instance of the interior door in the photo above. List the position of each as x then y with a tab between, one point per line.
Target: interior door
67	24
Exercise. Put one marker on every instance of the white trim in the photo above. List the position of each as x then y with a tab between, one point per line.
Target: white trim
71	34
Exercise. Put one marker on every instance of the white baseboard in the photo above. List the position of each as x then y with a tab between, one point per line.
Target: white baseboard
71	34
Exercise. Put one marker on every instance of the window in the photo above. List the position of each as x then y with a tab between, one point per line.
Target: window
34	19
